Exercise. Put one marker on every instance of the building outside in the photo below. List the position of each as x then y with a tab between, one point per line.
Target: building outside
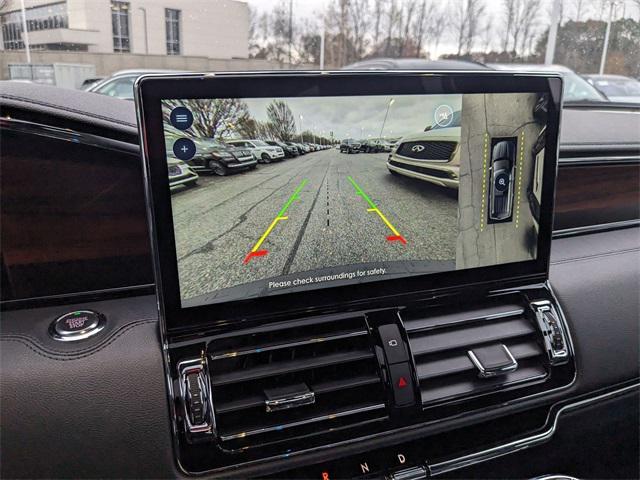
106	36
203	28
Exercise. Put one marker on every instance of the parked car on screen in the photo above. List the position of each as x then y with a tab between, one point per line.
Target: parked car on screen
289	151
261	150
304	147
295	146
501	184
180	173
432	155
375	145
617	88
219	158
349	145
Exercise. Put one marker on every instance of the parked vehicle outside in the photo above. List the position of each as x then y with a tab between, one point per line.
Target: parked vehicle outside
617	88
576	88
120	84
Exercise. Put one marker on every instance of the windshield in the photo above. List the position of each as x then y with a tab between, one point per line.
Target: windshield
260	143
74	44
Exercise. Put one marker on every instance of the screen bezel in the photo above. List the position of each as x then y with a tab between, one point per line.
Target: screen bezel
150	90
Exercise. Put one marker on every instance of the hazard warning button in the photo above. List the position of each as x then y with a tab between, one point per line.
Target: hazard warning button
402	382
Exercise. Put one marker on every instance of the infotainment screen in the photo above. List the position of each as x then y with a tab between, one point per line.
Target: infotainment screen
280	194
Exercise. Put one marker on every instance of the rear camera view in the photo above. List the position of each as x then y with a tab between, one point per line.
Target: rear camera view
273	195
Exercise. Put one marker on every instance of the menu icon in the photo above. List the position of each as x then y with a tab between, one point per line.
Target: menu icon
181	118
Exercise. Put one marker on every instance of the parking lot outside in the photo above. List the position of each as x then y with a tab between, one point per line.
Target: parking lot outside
485	117
322	212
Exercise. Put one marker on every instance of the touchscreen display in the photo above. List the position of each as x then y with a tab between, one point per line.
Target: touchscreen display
280	195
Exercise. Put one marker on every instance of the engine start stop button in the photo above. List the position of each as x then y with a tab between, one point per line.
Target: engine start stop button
77	325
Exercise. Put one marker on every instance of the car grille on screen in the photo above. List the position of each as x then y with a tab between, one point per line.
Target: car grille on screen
427	150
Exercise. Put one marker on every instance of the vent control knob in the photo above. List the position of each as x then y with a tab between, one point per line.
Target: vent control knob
194	398
553	333
195	393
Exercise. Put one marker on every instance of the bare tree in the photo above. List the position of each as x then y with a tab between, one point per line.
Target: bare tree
528	18
406	16
467	16
475	12
509	17
377	17
438	23
359	24
282	123
419	26
578	6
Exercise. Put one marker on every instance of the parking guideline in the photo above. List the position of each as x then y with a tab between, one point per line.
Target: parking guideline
255	251
519	162
374	208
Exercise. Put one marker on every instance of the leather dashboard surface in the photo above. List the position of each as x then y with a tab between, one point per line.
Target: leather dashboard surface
99	409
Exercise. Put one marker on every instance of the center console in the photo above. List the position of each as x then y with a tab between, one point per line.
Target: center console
338	307
284	389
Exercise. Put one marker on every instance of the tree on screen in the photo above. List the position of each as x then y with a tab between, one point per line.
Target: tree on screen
281	120
217	118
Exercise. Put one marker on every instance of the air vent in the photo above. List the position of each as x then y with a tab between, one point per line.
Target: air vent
294	381
440	346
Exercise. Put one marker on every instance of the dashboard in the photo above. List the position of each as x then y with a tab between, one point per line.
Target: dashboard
76	249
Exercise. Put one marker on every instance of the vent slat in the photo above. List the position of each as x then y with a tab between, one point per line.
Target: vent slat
427	367
253	401
440	344
273	369
330	356
439	391
318	416
476	333
487	313
318	430
299	342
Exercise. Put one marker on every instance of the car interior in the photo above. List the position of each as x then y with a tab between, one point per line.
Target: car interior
461	304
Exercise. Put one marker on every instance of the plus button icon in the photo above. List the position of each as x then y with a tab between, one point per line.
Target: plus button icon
184	148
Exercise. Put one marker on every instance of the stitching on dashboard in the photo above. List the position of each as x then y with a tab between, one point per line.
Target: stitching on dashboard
598	255
67	109
35	347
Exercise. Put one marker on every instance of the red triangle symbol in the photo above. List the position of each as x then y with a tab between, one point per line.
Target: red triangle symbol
402	382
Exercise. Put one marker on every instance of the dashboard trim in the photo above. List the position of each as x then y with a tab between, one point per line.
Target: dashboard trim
23	126
526	442
602	227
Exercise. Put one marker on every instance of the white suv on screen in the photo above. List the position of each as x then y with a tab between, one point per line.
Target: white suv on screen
262	151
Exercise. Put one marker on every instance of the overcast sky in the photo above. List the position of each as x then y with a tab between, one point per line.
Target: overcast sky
361	117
